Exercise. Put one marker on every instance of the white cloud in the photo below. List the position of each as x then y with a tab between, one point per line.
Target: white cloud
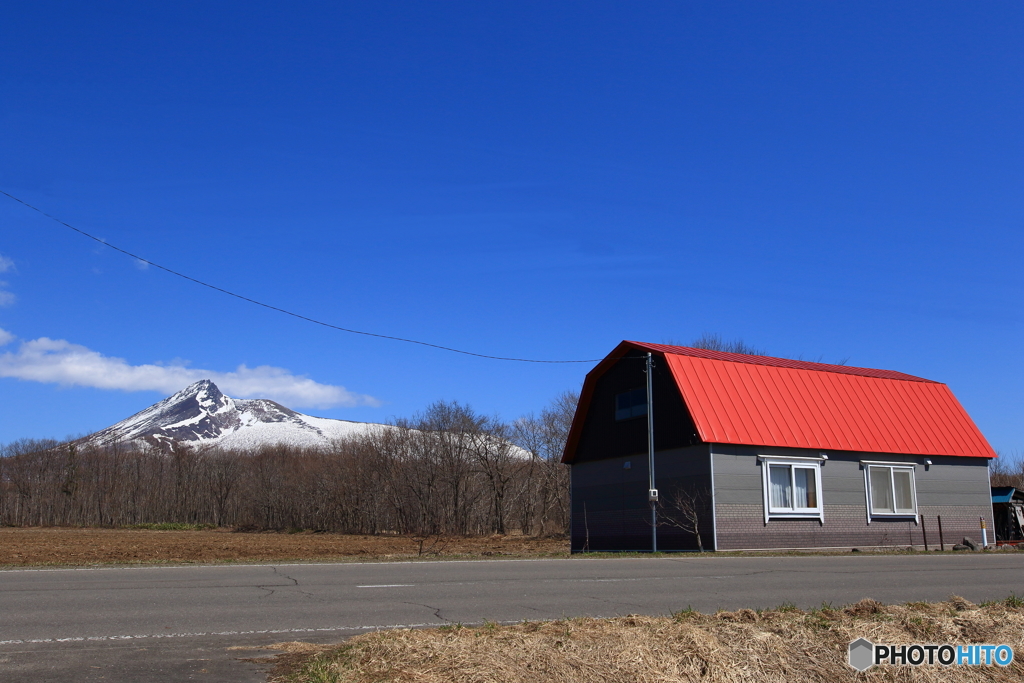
5	337
6	264
7	298
58	361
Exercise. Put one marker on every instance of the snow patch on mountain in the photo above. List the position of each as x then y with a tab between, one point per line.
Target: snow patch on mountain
201	415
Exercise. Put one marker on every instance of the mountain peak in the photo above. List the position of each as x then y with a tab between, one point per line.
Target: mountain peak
205	393
201	414
203	385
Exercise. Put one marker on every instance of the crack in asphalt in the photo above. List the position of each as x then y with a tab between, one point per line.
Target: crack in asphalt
271	591
295	584
285	576
437	610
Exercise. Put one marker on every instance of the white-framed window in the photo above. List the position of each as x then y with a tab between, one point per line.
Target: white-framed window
891	490
792	488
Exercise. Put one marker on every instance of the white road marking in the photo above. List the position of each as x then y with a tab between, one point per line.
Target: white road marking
201	634
388	585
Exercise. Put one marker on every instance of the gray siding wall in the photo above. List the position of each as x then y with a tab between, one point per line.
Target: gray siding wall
610	511
955	488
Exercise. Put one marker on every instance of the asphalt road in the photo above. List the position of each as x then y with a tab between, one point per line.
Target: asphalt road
200	623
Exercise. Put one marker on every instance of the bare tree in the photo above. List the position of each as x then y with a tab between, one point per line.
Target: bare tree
544	437
1007	470
499	462
714	342
683	509
221	476
452	432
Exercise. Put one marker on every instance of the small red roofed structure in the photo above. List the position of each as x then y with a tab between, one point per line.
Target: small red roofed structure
760	452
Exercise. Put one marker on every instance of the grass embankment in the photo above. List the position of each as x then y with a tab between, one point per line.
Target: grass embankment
780	645
175	543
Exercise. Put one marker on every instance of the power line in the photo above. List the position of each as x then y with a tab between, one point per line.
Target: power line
282	310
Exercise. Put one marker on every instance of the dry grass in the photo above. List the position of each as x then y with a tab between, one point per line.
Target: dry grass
21	547
781	645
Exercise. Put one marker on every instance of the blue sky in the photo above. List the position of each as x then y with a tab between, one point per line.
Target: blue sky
525	179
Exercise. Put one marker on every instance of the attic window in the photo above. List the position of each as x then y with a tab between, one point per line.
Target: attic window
631	404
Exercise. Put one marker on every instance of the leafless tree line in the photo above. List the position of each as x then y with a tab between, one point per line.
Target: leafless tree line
448	471
1007	470
712	341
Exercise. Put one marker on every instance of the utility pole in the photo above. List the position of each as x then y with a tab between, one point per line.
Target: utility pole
652	491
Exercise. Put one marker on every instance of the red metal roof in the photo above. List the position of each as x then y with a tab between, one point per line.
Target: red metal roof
774	362
763	401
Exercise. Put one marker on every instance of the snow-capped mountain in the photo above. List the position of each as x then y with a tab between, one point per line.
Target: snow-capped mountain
200	415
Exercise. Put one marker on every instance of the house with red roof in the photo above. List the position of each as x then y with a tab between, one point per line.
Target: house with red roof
754	452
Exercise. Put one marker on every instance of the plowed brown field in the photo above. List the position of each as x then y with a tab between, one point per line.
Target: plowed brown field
34	547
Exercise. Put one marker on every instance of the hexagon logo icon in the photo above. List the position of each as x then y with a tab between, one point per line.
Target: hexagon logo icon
862	653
